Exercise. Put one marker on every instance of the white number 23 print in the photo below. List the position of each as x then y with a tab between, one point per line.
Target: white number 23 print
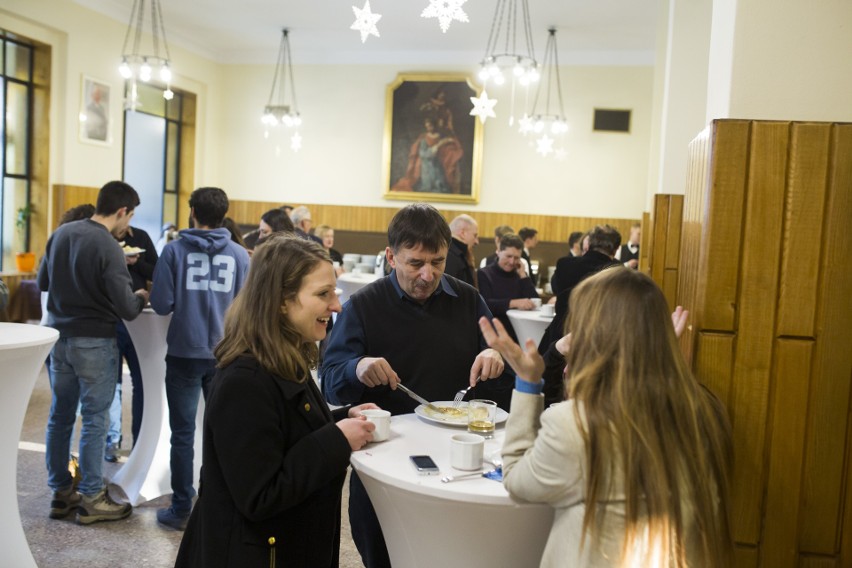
198	276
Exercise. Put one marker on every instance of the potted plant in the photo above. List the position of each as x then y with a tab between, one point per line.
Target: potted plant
24	261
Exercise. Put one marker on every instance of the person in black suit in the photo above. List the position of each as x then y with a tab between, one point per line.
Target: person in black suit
465	235
275	457
604	240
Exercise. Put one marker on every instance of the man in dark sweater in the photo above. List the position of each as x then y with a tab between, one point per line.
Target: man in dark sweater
502	286
85	274
417	326
465	234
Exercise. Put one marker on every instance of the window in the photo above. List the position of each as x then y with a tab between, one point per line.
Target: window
16	127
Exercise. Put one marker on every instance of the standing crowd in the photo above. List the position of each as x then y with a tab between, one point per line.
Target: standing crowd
607	424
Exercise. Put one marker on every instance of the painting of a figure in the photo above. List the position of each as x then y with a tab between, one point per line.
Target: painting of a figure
432	144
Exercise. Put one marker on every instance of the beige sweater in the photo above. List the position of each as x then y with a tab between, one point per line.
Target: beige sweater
544	462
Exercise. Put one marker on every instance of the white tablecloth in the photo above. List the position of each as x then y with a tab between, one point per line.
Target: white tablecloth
529	324
147	475
428	523
23	349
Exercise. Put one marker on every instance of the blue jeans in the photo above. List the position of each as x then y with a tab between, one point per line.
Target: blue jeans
127	351
186	379
83	370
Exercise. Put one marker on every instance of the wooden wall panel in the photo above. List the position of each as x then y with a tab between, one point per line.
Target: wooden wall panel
645	242
721	226
658	245
784	368
830	381
755	306
67	196
809	144
784	472
665	247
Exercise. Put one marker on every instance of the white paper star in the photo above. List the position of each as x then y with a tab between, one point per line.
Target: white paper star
544	145
365	21
526	125
483	107
296	142
561	154
446	11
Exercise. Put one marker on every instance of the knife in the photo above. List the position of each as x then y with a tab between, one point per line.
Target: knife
417	397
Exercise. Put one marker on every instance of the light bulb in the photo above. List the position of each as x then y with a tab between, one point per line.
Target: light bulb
165	73
533	75
539	126
483	73
287	120
518	69
297	120
493	70
145	71
499	79
124	69
168	94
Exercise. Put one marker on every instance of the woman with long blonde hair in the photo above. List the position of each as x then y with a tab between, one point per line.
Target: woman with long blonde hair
636	460
274	456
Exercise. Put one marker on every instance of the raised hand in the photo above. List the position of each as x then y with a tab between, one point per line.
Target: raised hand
527	363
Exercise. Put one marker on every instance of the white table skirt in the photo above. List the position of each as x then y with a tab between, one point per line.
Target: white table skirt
529	324
351	282
23	350
147	475
428	523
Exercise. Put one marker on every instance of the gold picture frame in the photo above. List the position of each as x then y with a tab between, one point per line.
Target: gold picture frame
432	149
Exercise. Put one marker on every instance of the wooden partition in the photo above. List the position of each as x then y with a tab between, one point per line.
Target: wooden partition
764	269
664	247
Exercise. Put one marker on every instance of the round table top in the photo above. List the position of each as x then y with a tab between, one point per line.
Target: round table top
389	462
531	315
358	277
17	335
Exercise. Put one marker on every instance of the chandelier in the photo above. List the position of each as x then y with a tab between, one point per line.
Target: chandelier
548	115
280	109
138	65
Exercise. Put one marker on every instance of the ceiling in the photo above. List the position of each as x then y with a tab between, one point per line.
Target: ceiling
248	31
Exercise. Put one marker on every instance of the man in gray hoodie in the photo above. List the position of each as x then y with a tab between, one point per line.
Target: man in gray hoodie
89	289
196	279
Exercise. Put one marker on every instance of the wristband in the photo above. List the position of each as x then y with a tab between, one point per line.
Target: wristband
527	387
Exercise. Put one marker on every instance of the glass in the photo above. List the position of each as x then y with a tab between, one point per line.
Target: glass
14	238
18	60
481	417
172	155
17	131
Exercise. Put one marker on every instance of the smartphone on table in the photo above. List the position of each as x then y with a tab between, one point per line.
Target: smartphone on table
424	465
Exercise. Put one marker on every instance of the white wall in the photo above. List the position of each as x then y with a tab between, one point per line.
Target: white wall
604	175
343	107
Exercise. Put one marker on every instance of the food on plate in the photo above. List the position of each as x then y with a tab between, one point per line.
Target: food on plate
447	412
132	250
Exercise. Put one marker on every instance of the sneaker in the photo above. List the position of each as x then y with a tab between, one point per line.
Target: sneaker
168	517
64	502
111	453
101	507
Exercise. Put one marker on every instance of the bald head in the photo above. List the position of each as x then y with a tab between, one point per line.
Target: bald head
465	229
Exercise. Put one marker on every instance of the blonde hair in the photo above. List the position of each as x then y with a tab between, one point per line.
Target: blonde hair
643	407
255	324
321	230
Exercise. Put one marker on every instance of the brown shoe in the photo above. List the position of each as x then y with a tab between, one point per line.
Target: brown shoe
101	507
63	502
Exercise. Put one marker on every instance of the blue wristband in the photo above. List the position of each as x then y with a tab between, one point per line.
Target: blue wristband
527	387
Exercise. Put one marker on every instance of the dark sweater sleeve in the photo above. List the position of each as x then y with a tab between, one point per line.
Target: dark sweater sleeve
144	267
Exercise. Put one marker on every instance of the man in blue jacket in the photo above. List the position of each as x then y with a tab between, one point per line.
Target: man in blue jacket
196	279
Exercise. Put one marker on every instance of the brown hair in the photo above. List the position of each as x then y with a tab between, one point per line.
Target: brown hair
255	325
647	418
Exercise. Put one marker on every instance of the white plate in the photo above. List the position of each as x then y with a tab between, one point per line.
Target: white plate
133	252
420	411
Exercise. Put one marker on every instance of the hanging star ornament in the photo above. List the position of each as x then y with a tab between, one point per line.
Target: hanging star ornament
296	142
365	21
525	125
446	11
483	107
544	145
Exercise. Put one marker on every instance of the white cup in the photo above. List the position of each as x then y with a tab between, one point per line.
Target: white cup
536	302
466	451
548	310
381	418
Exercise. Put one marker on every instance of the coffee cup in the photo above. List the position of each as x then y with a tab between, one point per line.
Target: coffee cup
466	451
381	418
548	310
536	302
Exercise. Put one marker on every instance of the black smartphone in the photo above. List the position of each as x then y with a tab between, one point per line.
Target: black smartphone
424	465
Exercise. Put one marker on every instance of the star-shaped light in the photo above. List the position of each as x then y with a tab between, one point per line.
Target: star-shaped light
561	154
526	125
296	142
544	145
483	107
365	21
446	11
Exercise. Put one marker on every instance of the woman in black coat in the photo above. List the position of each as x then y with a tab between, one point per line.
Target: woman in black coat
274	456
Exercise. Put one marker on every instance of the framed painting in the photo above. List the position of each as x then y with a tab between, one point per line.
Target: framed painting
432	146
95	124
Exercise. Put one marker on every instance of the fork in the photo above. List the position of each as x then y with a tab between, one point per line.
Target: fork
460	395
